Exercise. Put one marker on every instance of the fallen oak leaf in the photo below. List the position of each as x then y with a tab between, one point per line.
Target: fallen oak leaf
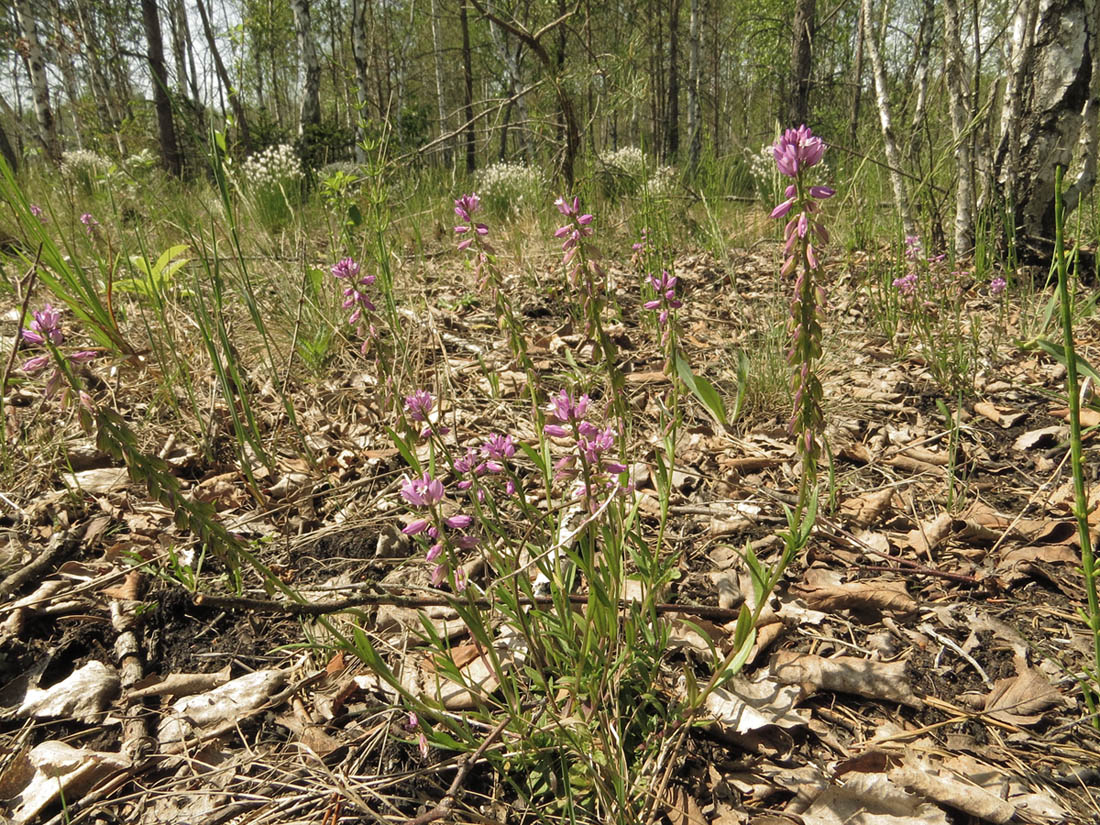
845	674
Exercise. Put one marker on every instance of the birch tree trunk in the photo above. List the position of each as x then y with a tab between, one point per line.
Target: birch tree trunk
857	81
223	78
882	101
695	132
511	60
36	64
919	124
169	148
440	100
959	95
1052	95
672	114
309	69
362	77
805	15
468	88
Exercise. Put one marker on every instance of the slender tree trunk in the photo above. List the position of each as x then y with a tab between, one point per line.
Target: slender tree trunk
36	65
63	51
309	69
857	82
565	102
6	150
223	78
512	61
918	128
805	21
468	88
169	148
960	122
695	132
882	100
440	99
1053	92
672	122
362	78
1090	126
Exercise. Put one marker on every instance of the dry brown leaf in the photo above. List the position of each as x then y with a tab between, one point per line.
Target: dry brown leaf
220	708
868	597
83	695
1039	439
176	685
930	535
1089	416
1021	699
54	771
864	510
948	790
845	674
871	799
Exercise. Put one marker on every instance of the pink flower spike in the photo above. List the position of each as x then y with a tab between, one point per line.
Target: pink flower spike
783	208
416	527
33	366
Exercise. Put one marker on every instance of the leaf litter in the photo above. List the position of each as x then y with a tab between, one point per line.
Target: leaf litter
918	665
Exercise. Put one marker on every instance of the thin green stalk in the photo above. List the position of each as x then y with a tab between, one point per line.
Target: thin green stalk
1080	495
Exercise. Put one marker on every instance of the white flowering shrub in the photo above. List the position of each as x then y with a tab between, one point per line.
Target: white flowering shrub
630	160
141	163
662	183
274	166
626	171
509	188
272	179
84	167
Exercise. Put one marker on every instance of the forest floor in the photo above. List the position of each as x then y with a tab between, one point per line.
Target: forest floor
919	663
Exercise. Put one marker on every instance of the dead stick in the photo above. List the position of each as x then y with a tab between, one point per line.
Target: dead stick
30	276
447	803
372	599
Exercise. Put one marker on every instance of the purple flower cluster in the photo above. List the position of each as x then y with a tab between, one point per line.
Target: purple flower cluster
579	257
907	284
347	269
90	223
666	300
797	149
997	286
444	532
590	463
466	207
419	406
487	461
36	210
476	236
45	332
579	226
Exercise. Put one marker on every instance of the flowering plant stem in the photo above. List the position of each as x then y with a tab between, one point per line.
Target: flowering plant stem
1077	467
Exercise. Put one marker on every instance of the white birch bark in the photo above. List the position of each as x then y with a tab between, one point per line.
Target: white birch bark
362	81
960	132
510	59
1052	94
695	131
309	69
39	87
440	100
882	101
1090	126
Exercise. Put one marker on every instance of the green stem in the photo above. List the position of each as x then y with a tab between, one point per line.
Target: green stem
1081	501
